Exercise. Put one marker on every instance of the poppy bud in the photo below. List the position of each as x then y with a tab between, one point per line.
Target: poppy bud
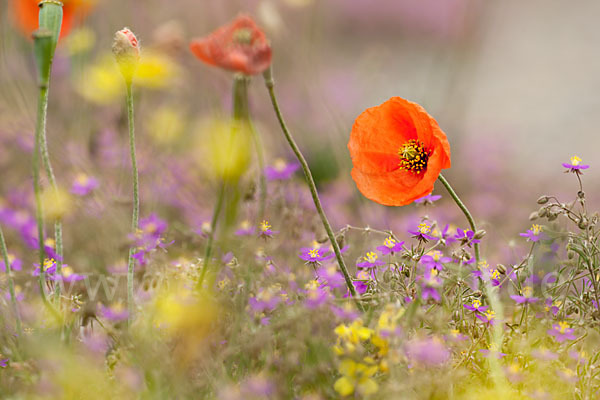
127	53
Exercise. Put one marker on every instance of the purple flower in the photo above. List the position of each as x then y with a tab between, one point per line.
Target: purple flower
492	350
245	229
49	268
429	284
265	230
544	354
561	332
332	277
534	234
476	306
370	260
67	275
84	185
315	295
390	245
445	236
346	312
316	255
361	284
423	233
575	165
552	306
428	352
4	362
15	263
429	199
281	170
116	312
265	300
434	260
526	296
488	318
149	237
466	237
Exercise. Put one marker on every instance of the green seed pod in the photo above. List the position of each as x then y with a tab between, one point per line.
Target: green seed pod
50	17
543	200
43	50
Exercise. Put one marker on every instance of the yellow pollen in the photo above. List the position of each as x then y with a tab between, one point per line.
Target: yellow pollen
389	242
279	165
424	228
494	274
476	303
67	271
536	229
245	224
490	315
413	156
48	262
483	264
314	253
436	255
81	179
265	226
563	326
575	160
370	257
527	291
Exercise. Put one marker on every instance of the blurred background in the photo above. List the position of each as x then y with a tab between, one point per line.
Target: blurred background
513	84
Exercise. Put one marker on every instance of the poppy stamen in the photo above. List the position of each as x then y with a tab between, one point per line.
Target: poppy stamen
413	156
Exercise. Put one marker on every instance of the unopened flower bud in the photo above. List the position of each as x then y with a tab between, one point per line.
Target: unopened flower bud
583	223
570	254
479	234
501	268
581	194
127	53
543	200
533	216
552	216
542	212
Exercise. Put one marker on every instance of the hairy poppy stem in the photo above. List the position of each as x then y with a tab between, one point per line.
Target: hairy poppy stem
136	198
41	123
11	287
311	185
465	211
57	223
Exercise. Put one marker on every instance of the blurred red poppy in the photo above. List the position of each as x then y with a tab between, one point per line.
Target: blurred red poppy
398	151
239	46
25	14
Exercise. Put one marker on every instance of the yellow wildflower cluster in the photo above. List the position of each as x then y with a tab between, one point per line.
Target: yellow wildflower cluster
364	352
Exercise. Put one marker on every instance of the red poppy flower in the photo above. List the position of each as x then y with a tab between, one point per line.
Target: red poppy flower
398	151
26	12
239	46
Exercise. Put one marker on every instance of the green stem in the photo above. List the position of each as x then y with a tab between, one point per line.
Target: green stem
57	224
11	287
311	185
211	234
136	199
465	211
40	127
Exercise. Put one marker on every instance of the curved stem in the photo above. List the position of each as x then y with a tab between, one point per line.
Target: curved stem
311	185
11	287
465	211
136	198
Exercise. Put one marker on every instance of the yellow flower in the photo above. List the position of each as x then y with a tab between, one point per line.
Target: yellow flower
356	377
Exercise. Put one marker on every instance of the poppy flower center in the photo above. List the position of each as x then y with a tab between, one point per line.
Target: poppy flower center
413	156
243	36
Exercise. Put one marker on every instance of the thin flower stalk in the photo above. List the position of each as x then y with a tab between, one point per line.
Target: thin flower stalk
11	285
270	84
